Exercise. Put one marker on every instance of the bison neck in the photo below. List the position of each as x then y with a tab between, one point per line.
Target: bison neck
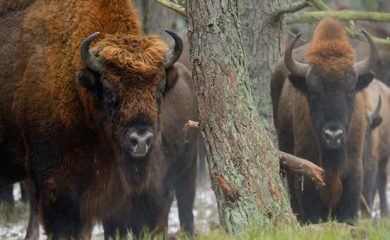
115	177
332	161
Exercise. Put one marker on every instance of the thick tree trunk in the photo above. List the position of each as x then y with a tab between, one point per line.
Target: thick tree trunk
262	37
243	162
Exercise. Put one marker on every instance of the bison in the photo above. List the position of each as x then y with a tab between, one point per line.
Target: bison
377	144
319	114
173	163
80	109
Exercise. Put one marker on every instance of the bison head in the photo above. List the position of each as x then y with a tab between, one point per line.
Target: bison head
330	86
127	77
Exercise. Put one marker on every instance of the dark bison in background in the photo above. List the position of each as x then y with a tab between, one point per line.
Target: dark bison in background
79	111
319	115
377	151
173	162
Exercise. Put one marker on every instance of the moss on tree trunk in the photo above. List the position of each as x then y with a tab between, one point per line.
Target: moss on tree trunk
242	159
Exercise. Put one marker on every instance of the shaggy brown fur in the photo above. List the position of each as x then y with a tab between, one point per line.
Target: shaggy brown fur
57	130
173	163
330	49
331	59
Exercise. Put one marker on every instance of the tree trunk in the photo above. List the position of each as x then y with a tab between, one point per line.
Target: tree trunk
243	162
156	18
262	38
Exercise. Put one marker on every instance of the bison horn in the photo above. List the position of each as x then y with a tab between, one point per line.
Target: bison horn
173	54
92	62
296	68
367	64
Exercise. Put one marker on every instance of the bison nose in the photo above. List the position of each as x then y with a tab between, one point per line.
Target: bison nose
333	136
140	142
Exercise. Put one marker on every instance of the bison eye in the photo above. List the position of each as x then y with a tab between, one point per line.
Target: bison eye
111	101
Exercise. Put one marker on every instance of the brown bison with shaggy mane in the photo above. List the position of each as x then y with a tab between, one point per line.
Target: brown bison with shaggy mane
173	166
79	111
319	114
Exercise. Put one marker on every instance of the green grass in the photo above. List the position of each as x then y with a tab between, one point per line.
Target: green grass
365	229
378	229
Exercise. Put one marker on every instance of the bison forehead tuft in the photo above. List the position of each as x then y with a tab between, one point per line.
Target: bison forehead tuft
330	48
140	55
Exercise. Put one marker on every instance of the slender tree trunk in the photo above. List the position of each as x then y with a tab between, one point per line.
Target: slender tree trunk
242	159
156	18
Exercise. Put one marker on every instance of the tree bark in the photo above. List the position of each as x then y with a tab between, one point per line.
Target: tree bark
263	39
243	161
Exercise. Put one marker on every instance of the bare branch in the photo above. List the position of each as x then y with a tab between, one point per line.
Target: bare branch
320	5
302	167
191	124
291	8
344	15
287	161
173	6
366	211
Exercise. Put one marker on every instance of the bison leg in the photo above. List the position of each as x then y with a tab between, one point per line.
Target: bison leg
61	216
33	224
369	184
150	212
306	200
185	195
10	174
116	226
24	192
382	183
6	195
347	208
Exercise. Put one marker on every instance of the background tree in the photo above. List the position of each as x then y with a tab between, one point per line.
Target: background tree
156	18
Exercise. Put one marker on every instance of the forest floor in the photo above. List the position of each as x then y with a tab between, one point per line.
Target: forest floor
13	224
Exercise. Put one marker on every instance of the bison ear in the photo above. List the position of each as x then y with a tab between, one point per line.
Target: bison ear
364	80
298	82
88	79
175	72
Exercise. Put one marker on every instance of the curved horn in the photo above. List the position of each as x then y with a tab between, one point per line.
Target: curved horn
173	54
91	61
367	64
296	68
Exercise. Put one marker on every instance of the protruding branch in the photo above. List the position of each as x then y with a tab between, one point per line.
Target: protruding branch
291	8
302	167
191	124
287	161
173	6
